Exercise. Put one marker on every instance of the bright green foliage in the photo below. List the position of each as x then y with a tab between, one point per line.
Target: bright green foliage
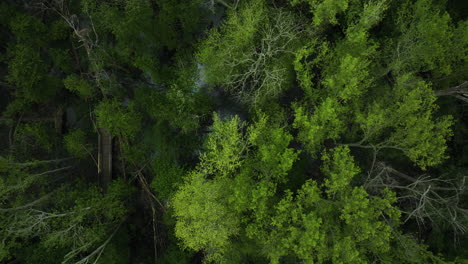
77	85
204	218
121	121
333	116
324	123
401	119
423	137
201	205
296	229
371	15
229	42
306	225
273	158
345	69
427	40
223	147
345	79
363	217
411	123
324	11
269	161
75	143
174	253
342	171
348	75
308	60
315	228
230	184
349	80
250	54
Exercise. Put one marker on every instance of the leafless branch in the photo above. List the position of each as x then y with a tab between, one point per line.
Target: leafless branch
424	198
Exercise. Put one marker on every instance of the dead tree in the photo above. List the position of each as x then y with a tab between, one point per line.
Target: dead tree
424	198
104	157
459	92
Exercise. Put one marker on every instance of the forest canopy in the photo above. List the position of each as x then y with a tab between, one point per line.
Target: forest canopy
233	131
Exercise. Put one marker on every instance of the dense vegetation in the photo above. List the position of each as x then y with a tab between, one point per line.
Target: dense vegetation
233	131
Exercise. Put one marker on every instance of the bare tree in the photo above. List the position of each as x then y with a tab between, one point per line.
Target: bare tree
86	34
459	92
95	255
255	73
85	31
150	200
424	198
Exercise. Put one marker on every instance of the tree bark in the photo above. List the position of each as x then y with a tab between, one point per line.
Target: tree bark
459	92
105	157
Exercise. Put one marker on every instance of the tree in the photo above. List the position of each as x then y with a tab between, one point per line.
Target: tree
225	198
340	151
413	129
250	54
324	11
119	120
236	193
408	125
313	227
205	220
459	92
425	198
76	144
183	103
75	84
40	208
428	41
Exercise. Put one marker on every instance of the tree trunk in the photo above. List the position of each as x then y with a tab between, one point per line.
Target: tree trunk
459	92
104	157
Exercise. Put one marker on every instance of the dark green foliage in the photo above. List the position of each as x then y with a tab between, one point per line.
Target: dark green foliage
37	204
119	120
81	87
40	135
167	176
184	105
226	131
28	66
75	143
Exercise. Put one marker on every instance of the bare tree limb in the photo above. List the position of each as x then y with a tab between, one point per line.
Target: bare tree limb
460	92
